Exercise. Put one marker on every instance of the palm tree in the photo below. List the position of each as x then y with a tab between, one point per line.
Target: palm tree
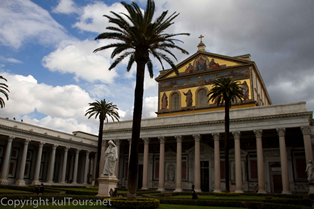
139	38
103	110
4	90
226	91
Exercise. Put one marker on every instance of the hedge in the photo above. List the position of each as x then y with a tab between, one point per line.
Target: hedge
29	188
141	203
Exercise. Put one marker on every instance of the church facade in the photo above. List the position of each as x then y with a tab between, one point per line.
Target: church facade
184	144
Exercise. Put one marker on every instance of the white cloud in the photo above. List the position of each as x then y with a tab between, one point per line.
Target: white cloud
10	59
77	57
63	106
92	19
23	21
62	124
66	7
150	107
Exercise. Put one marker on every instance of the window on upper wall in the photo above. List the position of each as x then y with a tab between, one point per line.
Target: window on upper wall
202	98
175	101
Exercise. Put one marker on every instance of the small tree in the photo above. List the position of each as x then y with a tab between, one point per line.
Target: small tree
103	110
226	91
4	90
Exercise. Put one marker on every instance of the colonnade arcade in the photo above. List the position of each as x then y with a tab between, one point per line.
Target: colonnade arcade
201	158
34	156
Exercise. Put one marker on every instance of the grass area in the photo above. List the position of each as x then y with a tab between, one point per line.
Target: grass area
9	191
249	197
166	206
77	189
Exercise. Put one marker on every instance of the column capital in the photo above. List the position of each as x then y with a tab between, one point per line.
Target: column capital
146	140
117	142
26	141
306	130
77	151
66	149
130	141
197	137
87	152
179	138
54	147
236	135
216	136
41	144
281	132
258	133
10	139
162	139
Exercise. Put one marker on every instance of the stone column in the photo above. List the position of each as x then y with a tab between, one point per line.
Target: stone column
51	164
179	165
260	161
6	162
197	174
284	161
77	152
38	164
145	164
20	181
216	137
237	156
86	167
130	143
162	164
94	169
307	143
64	165
117	142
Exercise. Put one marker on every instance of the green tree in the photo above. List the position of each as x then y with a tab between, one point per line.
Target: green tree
226	91
103	110
139	38
4	90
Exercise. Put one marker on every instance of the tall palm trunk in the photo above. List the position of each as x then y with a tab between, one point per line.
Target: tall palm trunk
227	145
137	117
101	127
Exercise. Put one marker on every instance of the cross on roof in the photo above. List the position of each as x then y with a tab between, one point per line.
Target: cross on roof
201	37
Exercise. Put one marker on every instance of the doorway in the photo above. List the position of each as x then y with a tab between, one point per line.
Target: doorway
205	176
275	177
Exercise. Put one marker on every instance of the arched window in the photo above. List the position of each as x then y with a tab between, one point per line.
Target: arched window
175	101
202	98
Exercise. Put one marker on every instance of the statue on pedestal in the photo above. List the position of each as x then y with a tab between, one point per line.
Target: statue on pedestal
111	156
309	170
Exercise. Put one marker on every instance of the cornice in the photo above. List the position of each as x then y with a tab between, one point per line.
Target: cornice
46	136
260	118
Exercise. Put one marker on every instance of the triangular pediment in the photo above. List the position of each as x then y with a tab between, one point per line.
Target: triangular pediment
201	62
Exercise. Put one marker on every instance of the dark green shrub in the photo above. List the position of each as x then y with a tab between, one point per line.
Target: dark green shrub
141	203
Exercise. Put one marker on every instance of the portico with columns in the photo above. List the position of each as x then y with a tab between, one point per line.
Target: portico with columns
33	155
266	145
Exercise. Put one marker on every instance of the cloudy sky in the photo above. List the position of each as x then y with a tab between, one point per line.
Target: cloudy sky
46	53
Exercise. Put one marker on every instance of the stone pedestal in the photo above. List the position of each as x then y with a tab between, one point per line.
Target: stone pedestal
311	188
105	184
